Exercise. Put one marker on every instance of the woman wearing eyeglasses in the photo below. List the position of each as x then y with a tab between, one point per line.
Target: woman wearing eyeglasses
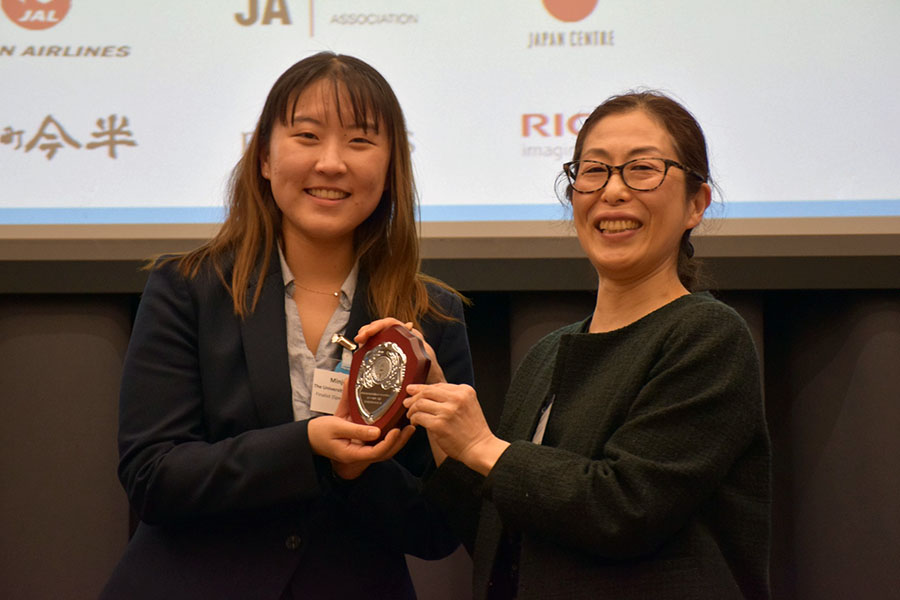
632	457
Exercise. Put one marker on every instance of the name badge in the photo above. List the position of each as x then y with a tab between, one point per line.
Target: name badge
326	390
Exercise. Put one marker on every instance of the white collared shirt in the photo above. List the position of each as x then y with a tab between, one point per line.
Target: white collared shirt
301	361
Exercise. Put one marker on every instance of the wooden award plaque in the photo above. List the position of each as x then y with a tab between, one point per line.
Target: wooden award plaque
381	369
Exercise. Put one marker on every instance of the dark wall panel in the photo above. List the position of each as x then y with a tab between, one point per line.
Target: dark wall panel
833	396
63	515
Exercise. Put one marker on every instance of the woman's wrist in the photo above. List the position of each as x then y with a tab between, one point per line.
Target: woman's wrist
483	455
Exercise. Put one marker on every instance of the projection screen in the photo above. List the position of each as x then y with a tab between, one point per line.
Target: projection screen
120	122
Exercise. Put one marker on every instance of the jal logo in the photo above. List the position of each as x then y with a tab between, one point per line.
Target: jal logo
570	11
36	14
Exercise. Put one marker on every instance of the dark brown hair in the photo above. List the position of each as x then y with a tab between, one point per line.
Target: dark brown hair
690	146
386	243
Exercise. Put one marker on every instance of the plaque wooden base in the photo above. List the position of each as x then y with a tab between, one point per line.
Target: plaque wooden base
381	369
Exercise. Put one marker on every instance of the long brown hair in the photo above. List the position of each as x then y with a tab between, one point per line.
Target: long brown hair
690	146
386	243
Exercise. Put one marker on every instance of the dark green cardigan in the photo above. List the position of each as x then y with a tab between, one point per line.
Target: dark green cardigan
652	480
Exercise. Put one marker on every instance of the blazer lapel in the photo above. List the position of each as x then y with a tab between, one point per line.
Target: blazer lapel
265	350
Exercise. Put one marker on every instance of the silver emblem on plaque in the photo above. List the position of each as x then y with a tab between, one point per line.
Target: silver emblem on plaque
379	380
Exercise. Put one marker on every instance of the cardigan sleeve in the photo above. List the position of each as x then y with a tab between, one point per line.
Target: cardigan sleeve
168	467
692	418
458	490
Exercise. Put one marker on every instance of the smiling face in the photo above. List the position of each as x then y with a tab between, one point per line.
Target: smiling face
630	235
327	172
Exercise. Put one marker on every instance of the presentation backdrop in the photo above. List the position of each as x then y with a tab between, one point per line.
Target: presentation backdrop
135	112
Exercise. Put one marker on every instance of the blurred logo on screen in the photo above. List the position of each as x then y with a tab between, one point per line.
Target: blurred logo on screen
52	135
272	10
555	125
570	11
36	14
268	12
552	135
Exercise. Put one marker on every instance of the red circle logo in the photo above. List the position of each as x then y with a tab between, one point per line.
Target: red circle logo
570	10
36	14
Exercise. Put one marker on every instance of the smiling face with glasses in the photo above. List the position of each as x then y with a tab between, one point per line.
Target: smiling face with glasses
630	201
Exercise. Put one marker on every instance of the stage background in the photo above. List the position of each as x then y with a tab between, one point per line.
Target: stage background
136	114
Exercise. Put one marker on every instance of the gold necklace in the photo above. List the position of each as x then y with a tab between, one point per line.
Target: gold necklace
302	287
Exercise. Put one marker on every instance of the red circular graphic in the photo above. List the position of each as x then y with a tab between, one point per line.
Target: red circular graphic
36	14
570	10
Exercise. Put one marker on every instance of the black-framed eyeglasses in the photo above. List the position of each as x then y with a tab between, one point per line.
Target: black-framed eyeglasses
640	174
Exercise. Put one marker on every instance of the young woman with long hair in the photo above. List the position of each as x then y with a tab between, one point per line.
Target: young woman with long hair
243	487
